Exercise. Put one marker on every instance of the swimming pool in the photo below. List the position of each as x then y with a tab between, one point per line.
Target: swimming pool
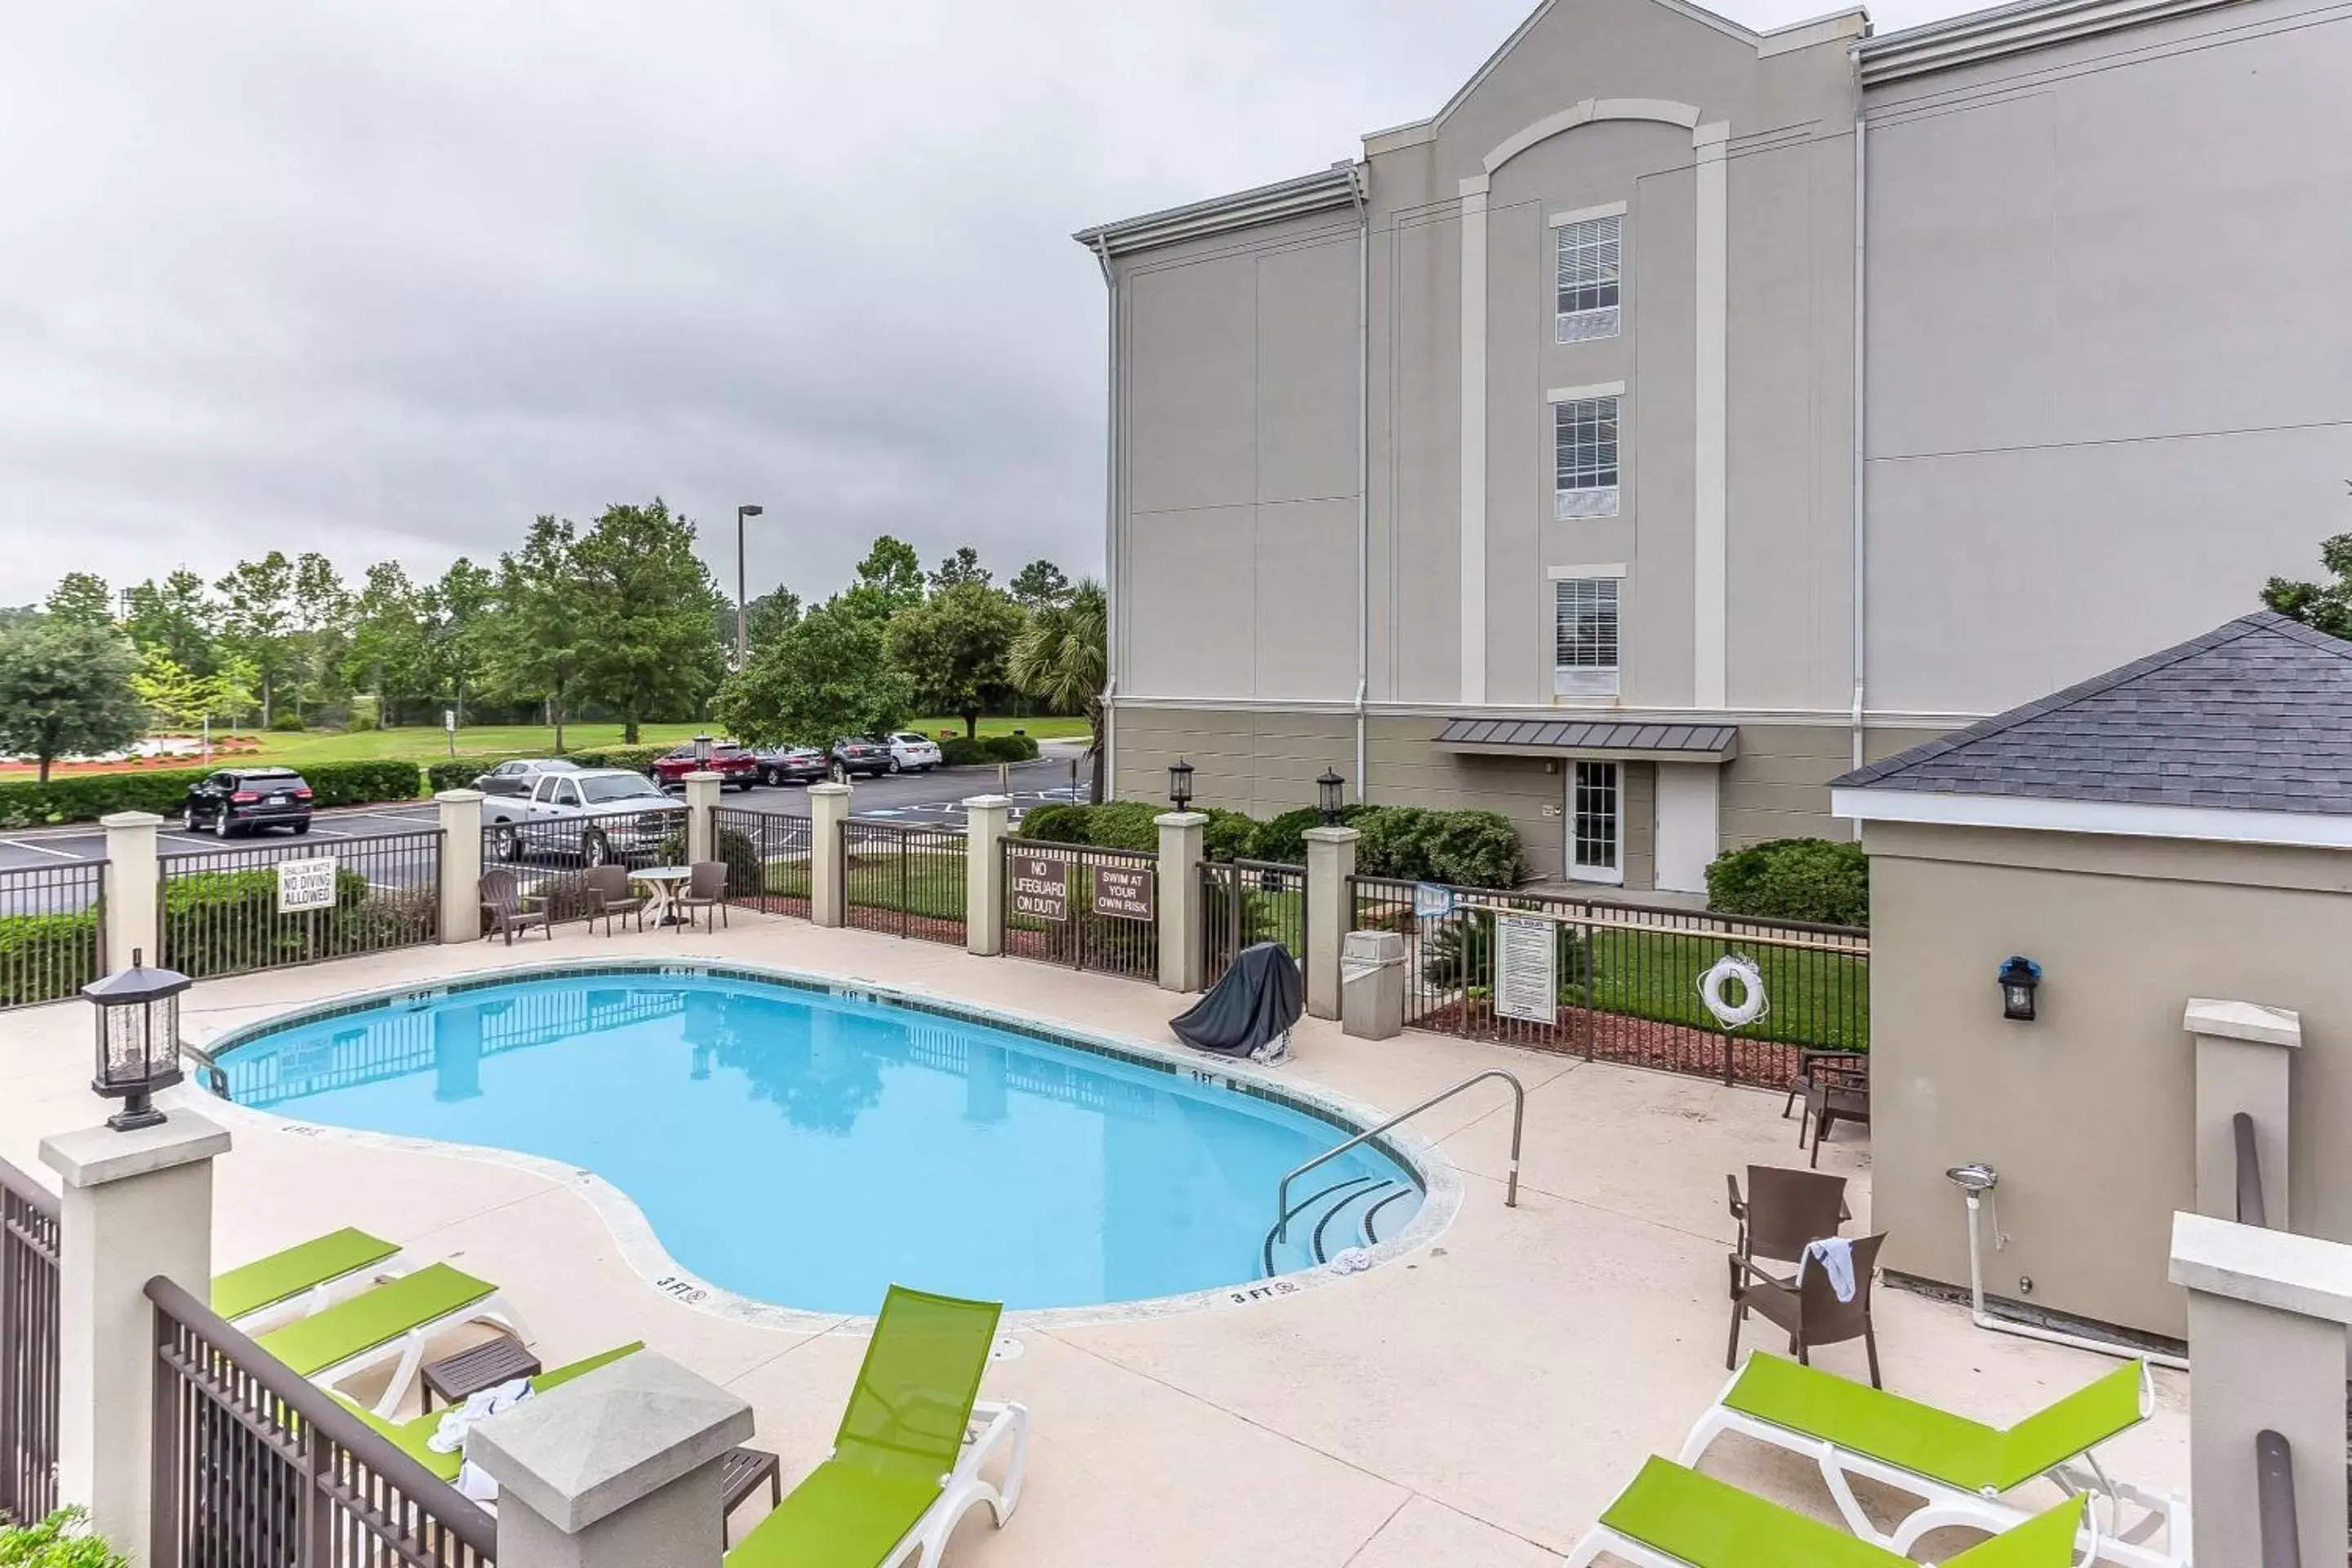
807	1145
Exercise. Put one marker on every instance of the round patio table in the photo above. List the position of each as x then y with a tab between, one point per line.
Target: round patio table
663	885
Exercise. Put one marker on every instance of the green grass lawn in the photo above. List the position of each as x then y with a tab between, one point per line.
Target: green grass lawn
1815	997
424	744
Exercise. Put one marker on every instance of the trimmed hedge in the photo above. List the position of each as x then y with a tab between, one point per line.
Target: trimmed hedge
960	752
459	772
85	797
45	957
219	922
1470	848
1821	880
361	784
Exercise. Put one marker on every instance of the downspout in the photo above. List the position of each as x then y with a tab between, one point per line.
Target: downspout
1359	176
1861	414
1110	526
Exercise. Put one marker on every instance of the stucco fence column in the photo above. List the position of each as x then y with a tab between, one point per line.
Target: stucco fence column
2245	1060
133	920
701	800
828	809
615	1469
987	819
1180	834
2267	1313
135	1204
461	864
1330	863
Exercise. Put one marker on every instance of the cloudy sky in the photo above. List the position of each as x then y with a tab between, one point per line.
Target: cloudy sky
389	280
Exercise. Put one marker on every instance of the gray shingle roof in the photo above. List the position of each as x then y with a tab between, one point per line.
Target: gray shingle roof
1699	740
2256	714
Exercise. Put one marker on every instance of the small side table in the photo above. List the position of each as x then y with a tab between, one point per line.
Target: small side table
665	884
739	1475
459	1377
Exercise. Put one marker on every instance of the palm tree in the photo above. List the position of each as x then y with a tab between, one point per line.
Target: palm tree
1061	658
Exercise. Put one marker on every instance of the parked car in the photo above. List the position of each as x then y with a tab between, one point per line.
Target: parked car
517	777
595	816
860	756
910	752
736	767
238	800
793	765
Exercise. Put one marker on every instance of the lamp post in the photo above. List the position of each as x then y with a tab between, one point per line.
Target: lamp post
138	1040
742	610
1326	796
1179	784
701	753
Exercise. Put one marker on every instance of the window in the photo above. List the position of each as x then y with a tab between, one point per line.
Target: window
1584	457
1584	637
1595	812
1589	255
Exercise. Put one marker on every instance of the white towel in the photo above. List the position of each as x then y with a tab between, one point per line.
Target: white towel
1836	1254
449	1437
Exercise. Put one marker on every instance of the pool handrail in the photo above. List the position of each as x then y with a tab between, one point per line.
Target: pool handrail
1518	1123
207	1070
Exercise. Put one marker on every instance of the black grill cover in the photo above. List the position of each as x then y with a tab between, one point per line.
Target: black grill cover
1258	1000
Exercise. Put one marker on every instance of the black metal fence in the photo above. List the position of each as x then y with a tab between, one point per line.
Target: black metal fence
228	911
256	1468
28	1347
52	931
767	858
1625	980
1087	907
904	879
1247	901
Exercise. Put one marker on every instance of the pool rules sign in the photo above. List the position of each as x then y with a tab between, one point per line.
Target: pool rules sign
1040	887
1527	968
305	884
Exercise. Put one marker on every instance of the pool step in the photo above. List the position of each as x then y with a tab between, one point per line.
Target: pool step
1355	1212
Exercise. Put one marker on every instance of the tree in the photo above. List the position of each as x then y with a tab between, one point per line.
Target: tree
257	624
177	697
890	579
646	607
321	615
457	630
177	618
829	675
958	569
773	613
1062	658
389	652
2328	606
83	598
65	690
537	646
1038	584
952	648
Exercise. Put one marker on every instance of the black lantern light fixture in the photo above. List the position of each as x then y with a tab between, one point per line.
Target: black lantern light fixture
2018	976
1179	784
138	1040
701	752
1327	795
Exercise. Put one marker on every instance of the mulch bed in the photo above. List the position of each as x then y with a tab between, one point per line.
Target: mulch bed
1614	1037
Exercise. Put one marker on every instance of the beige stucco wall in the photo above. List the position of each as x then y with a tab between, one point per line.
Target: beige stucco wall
2086	1112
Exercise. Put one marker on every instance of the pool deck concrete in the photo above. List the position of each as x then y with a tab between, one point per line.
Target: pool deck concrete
1475	1405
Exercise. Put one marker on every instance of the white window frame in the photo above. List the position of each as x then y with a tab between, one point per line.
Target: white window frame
1606	589
1583	486
1613	873
1588	253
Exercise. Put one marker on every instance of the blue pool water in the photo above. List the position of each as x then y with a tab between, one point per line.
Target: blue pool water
808	1150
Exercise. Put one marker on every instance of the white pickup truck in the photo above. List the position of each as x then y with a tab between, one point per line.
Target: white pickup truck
594	815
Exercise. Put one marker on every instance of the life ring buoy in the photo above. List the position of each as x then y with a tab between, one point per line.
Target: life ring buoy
1752	1003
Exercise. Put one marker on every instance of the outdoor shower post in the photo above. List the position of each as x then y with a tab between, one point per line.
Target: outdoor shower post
615	1469
1330	863
829	811
701	800
461	864
132	919
987	818
1181	833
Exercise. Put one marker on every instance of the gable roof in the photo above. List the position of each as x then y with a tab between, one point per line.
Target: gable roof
2255	715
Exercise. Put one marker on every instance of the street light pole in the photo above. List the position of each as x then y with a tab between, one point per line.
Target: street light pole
743	607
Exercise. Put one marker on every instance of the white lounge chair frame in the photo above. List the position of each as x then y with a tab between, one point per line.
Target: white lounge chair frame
1945	1505
408	1349
320	1297
1600	1538
993	1422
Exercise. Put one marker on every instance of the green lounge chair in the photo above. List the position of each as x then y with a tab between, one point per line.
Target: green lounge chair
1961	1467
906	1464
410	1436
392	1322
301	1279
1675	1517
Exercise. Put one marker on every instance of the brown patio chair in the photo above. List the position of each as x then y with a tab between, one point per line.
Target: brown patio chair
609	895
1808	1309
1835	1087
706	888
1783	1210
502	906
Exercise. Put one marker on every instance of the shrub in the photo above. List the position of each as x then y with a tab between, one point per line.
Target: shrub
1056	823
288	723
1460	953
1009	749
1475	849
1283	839
42	957
456	772
64	1540
217	922
1124	823
635	759
1227	837
361	784
1816	880
960	752
366	715
1395	843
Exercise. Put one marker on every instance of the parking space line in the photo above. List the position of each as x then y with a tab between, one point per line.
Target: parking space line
44	849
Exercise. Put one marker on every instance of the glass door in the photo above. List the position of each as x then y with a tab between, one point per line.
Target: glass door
1596	823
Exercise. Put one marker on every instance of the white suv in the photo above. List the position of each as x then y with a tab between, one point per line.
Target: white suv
910	753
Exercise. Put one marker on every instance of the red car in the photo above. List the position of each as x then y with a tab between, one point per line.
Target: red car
737	768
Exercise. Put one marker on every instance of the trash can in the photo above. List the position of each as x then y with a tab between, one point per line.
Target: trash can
1371	985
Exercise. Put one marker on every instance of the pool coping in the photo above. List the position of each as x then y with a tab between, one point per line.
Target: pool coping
642	1250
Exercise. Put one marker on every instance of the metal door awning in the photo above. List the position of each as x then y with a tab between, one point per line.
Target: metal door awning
1591	738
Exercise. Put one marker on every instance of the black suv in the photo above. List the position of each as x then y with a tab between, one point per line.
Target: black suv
235	799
